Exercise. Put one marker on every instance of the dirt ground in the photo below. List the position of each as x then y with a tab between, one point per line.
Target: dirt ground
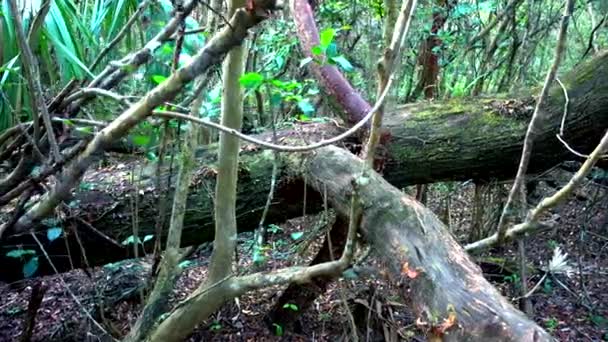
572	308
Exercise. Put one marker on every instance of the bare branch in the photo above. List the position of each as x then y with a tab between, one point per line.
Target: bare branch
518	184
32	75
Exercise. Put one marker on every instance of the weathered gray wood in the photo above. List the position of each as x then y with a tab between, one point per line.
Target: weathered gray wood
446	285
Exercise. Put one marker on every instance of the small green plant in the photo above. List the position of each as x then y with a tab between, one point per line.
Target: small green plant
215	326
552	244
31	265
600	321
274	229
297	235
548	286
513	278
135	239
290	306
278	329
327	48
551	324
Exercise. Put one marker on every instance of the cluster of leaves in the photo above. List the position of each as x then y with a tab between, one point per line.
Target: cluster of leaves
327	50
29	257
287	91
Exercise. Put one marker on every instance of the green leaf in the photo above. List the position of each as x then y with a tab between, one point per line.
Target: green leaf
350	274
343	63
148	237
151	156
251	80
317	50
141	140
331	50
290	306
278	330
158	79
215	95
131	240
53	233
304	62
275	98
326	37
273	228
306	107
30	267
19	253
69	55
259	258
297	235
185	264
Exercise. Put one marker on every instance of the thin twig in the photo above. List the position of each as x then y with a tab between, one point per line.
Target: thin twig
120	34
32	75
518	189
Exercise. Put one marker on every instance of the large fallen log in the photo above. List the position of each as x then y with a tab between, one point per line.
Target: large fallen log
453	140
447	289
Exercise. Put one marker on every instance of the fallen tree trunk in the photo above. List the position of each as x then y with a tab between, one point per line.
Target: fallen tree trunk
447	290
453	140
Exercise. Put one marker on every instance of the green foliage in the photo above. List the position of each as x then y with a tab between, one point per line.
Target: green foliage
274	229
600	321
142	140
278	329
251	80
54	233
158	79
290	306
130	240
327	51
350	274
551	324
548	286
31	265
215	326
20	253
296	235
513	279
185	264
552	244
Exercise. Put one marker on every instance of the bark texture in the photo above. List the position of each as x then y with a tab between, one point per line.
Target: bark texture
446	285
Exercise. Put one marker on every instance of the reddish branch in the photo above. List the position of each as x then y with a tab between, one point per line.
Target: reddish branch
330	78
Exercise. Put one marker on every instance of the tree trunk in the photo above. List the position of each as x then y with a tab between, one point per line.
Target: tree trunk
447	290
455	140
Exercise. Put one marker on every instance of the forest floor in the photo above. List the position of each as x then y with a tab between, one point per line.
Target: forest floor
571	308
